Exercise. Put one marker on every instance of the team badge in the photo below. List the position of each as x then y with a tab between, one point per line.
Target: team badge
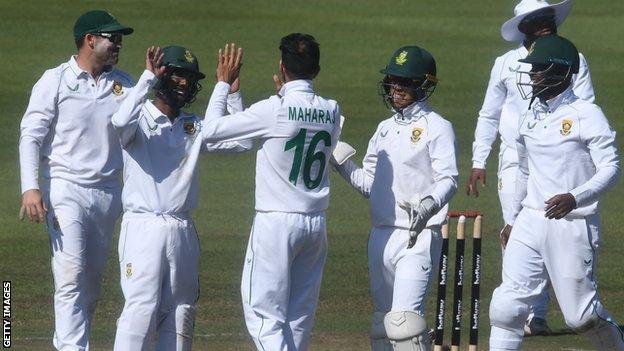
189	56
416	133
189	127
401	59
117	88
128	270
566	126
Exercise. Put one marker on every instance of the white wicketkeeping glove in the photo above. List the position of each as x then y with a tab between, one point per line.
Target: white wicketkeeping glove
342	153
419	211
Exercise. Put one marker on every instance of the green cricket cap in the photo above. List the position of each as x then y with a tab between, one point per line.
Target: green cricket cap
411	62
181	57
553	49
99	21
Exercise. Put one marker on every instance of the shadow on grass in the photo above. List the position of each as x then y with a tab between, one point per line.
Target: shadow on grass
564	331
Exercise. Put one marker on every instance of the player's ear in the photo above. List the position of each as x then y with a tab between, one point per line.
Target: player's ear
282	71
90	40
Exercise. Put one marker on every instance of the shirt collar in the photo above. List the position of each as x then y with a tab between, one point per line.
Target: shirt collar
523	51
155	114
553	104
73	65
412	112
159	117
302	85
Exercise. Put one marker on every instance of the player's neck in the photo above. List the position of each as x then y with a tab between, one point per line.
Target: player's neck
170	111
90	65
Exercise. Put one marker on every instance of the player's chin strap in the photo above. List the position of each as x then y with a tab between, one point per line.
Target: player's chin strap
531	102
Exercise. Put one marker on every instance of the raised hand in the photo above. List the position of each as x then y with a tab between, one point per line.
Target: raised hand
559	206
154	61
229	63
477	174
32	206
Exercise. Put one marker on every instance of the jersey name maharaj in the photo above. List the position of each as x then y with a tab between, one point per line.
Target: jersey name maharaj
312	115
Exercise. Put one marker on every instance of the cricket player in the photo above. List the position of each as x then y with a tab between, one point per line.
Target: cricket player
567	158
297	131
68	141
503	106
410	164
158	244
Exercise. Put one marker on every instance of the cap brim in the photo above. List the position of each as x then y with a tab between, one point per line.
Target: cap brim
117	29
509	29
197	74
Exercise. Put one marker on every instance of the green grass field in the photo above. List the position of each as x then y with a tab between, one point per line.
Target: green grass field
356	40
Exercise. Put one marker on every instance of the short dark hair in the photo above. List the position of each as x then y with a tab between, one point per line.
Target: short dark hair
300	55
79	42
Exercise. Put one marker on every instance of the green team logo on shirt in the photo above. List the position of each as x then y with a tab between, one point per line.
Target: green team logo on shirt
74	89
312	115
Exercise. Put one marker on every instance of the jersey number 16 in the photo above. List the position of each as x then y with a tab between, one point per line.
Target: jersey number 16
298	142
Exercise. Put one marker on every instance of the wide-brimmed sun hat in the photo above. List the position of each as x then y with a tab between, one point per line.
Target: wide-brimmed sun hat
509	29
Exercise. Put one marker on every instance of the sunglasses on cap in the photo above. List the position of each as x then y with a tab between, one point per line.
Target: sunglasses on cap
112	37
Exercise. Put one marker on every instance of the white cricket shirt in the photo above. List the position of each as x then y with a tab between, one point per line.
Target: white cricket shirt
565	146
161	158
297	131
417	156
67	127
503	105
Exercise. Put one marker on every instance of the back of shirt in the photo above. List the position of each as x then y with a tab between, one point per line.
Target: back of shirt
297	130
292	171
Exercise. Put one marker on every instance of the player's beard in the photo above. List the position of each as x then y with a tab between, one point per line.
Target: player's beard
175	97
106	52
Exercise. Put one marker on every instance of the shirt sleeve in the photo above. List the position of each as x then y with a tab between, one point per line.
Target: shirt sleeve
583	87
600	140
234	105
442	151
489	116
35	125
126	119
522	178
361	178
234	102
255	122
228	146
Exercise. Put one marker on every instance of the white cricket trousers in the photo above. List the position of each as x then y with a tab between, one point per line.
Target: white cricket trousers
565	251
158	262
400	277
80	223
282	278
507	170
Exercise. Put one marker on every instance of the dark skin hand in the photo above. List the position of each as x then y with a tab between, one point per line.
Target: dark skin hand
477	174
504	235
559	206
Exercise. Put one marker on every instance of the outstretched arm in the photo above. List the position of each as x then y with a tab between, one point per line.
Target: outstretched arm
125	120
361	178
